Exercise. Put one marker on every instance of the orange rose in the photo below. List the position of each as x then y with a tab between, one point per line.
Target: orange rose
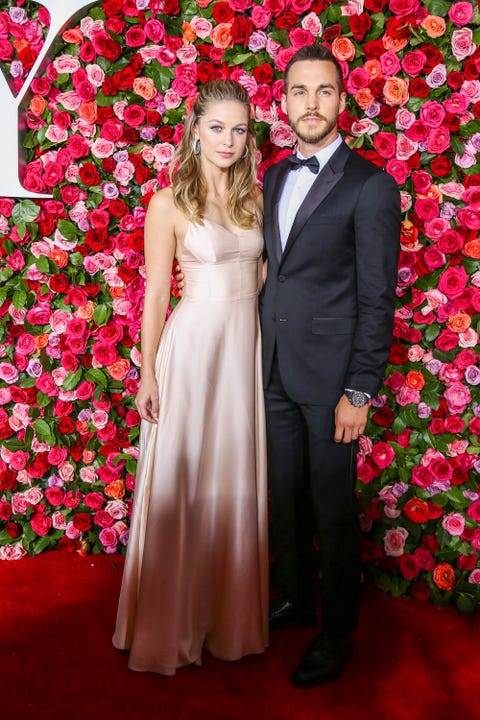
59	257
86	311
41	341
87	111
434	26
188	33
119	369
37	105
433	193
115	291
81	427
395	44
115	489
472	249
204	3
415	379
395	91
145	87
373	68
444	576
343	49
364	98
74	36
221	37
20	44
459	322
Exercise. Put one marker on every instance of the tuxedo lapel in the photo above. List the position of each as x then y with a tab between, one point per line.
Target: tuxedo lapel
328	177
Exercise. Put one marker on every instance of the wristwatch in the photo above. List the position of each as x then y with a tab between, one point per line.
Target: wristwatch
357	398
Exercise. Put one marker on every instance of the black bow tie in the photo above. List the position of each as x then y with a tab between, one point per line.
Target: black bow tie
311	162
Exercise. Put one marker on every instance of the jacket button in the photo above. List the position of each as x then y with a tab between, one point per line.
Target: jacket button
281	278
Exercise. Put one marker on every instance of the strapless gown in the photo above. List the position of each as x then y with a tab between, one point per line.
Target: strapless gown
196	569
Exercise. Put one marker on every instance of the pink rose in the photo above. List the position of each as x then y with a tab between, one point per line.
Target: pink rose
398	169
94	500
460	13
474	576
413	62
454	523
40	523
385	144
260	17
155	30
427	208
438	140
394	541
382	454
432	113
458	397
299	37
441	469
434	258
8	372
66	64
12	552
109	540
469	217
282	134
421	476
462	43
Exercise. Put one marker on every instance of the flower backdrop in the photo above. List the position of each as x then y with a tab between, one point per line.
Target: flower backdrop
102	123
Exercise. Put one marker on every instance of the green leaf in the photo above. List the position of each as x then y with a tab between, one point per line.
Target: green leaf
42	264
68	229
431	332
466	604
19	298
439	7
25	211
97	376
161	76
457	145
101	314
72	379
42	429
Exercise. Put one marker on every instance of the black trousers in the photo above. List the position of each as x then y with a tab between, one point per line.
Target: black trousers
312	481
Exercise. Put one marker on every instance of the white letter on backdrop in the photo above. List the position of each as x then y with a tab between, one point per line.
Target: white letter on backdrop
10	151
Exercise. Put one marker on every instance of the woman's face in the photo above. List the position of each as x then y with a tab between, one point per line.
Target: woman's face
223	133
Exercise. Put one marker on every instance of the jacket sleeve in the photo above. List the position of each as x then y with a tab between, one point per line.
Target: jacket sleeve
377	244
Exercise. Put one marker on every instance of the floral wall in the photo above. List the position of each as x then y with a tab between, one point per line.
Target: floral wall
102	123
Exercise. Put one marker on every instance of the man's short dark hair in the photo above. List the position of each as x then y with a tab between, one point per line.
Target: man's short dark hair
314	52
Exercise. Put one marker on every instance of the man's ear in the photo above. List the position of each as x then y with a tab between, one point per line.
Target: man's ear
283	103
343	98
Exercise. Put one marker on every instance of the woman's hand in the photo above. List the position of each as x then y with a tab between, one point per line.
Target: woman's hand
147	400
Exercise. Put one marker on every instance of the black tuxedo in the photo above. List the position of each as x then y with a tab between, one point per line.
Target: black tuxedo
327	314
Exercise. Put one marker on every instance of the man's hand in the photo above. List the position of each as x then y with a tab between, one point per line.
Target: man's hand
350	421
179	279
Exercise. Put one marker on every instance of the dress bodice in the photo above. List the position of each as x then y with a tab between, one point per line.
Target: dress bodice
219	264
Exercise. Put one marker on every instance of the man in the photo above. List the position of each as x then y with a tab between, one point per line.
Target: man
332	223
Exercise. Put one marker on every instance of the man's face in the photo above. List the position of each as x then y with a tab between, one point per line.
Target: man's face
313	102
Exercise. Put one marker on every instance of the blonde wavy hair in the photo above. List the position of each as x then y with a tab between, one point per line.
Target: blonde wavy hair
188	181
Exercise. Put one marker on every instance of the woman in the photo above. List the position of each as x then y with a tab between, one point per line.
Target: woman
196	567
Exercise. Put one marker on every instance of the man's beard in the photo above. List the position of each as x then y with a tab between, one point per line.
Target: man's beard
314	136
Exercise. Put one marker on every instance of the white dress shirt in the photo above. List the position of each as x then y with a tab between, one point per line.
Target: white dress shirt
296	187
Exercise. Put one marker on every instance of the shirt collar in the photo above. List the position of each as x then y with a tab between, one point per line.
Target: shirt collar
324	155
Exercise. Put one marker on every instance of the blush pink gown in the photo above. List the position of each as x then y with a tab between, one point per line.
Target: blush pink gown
196	570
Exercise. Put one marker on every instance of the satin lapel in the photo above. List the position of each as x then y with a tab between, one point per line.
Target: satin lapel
272	202
329	176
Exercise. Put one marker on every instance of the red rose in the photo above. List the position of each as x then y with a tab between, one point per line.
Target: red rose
68	545
263	73
360	25
441	166
420	590
416	510
112	129
124	78
334	31
96	239
430	542
287	21
170	7
408	566
373	49
375	6
112	7
222	12
109	86
117	208
82	521
455	79
434	56
419	88
447	340
66	426
27	57
467	562
398	354
89	175
59	283
383	416
12	529
40	523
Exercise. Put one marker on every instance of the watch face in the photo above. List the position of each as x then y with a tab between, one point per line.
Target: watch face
357	398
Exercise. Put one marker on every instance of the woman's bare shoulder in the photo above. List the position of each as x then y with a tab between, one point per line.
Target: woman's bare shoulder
162	202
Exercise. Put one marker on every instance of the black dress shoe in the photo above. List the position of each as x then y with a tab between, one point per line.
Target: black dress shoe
323	661
284	613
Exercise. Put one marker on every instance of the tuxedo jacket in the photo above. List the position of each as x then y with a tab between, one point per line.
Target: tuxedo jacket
328	302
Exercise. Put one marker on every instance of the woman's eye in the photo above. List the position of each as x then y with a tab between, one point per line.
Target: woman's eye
240	131
216	128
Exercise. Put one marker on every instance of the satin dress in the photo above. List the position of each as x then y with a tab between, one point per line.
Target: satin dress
196	569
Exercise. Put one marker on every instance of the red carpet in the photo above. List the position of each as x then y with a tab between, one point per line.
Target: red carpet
412	660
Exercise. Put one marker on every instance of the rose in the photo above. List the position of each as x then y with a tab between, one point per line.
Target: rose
460	13
462	43
416	510
394	541
382	454
458	397
444	576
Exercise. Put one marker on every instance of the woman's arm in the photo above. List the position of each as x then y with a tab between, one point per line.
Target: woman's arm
159	253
